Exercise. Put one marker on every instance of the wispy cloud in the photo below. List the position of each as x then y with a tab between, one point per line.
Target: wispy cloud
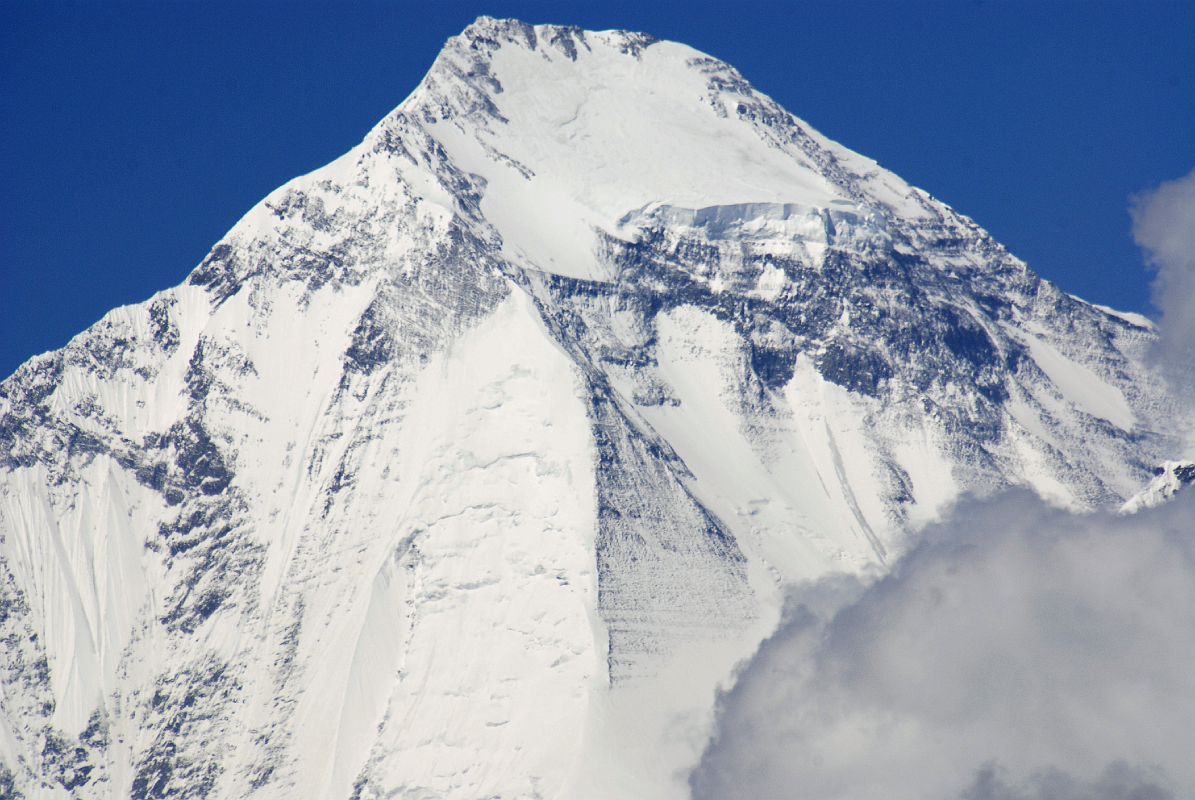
1164	227
1019	653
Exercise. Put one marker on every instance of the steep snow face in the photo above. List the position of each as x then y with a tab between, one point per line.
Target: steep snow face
470	464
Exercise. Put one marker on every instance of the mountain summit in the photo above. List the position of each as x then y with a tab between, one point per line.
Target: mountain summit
470	464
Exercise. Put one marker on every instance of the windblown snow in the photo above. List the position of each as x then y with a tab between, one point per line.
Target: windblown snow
471	464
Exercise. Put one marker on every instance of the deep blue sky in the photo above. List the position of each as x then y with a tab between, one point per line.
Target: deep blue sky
133	135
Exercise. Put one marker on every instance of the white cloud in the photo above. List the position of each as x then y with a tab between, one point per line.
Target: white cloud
1164	226
1019	653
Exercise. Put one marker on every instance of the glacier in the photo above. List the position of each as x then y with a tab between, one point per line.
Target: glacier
470	464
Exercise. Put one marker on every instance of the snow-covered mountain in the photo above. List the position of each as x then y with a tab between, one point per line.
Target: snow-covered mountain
470	464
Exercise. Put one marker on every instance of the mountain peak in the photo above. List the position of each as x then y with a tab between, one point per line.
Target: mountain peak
490	33
589	129
470	463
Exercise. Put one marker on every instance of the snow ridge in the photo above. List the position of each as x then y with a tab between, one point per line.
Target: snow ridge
1169	479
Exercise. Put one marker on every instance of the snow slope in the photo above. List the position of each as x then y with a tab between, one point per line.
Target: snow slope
470	464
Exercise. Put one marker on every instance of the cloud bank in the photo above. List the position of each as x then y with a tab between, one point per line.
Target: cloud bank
1164	227
1019	653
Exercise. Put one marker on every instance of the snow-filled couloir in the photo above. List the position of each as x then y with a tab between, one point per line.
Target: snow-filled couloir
470	464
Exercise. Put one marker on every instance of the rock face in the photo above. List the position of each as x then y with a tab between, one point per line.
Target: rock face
470	464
